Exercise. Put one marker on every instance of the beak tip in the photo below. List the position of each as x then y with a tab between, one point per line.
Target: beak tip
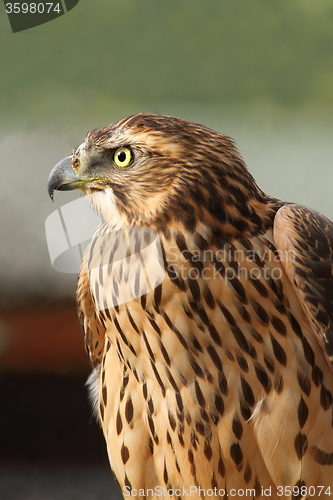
59	177
50	190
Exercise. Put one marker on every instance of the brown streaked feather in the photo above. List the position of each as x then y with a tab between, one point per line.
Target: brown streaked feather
94	331
305	239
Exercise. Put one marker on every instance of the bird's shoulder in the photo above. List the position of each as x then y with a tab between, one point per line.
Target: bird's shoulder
304	238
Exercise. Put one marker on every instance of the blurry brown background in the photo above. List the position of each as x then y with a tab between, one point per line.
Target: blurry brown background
261	72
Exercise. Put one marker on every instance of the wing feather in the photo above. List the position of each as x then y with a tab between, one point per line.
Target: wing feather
304	239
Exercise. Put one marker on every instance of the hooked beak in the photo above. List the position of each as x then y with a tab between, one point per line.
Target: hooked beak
63	177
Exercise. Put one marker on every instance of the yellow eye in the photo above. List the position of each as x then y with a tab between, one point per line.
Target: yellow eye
122	157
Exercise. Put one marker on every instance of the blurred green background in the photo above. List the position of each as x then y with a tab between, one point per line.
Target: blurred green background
259	71
107	58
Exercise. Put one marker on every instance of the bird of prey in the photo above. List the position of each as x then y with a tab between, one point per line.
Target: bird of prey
215	379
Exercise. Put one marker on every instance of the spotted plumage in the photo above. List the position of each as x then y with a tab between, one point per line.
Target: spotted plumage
216	376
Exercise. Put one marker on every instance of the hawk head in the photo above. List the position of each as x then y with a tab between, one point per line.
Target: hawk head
159	169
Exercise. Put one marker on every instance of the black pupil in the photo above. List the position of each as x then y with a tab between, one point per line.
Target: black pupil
122	156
